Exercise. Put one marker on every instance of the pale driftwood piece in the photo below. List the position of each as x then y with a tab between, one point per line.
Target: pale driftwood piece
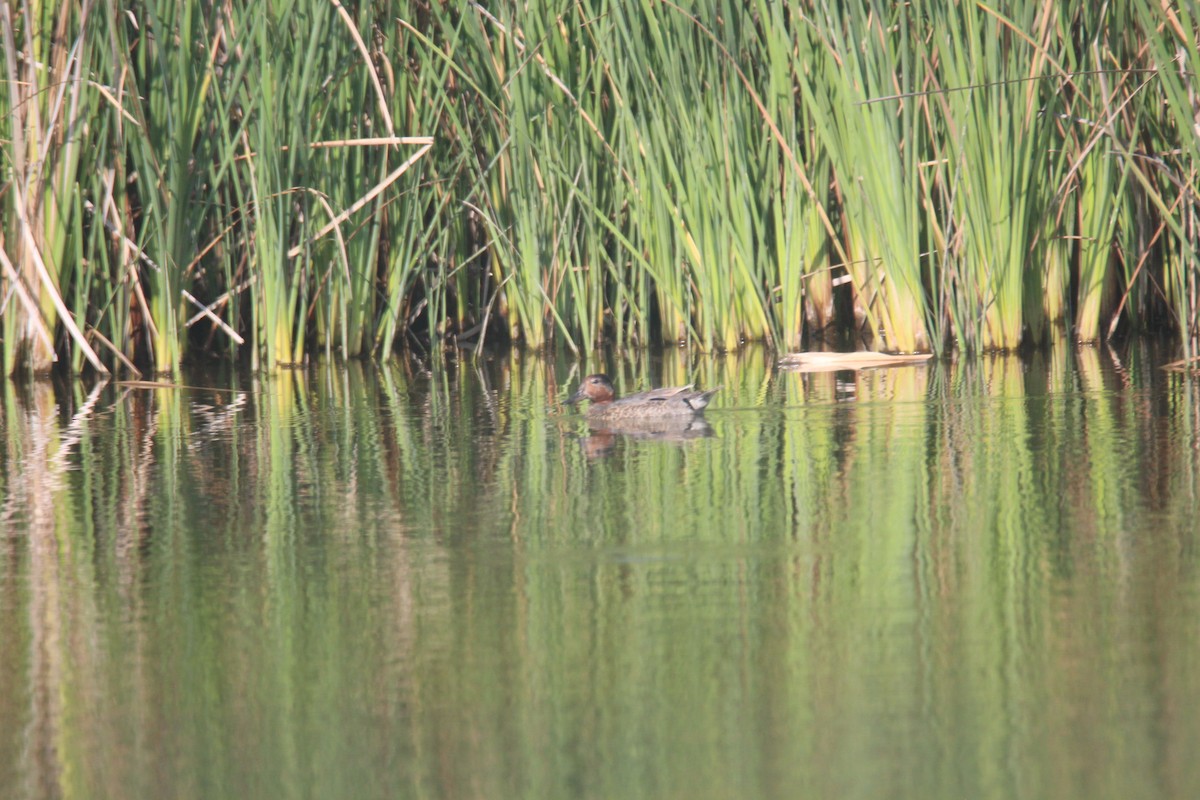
833	362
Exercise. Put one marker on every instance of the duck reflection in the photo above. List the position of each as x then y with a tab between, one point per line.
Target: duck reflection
604	434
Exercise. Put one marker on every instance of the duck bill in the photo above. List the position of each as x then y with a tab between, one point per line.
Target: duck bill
575	398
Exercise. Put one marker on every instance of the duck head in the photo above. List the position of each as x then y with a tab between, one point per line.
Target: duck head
597	388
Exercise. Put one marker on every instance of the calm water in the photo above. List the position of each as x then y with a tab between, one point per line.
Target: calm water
972	580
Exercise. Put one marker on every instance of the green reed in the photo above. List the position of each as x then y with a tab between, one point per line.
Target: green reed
45	106
1000	147
1170	181
236	179
875	145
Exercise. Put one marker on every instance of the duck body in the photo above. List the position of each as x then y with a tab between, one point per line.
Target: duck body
673	402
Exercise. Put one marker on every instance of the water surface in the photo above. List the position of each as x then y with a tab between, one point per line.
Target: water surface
962	580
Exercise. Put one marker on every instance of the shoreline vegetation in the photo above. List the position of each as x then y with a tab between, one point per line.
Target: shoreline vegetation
269	180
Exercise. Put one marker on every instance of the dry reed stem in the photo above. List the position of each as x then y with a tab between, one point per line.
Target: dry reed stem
31	306
366	54
362	201
205	311
373	141
220	301
48	283
128	246
1182	364
341	249
94	333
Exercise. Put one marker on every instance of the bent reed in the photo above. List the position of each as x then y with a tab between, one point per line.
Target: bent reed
275	179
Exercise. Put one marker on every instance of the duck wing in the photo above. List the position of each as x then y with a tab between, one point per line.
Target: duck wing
661	395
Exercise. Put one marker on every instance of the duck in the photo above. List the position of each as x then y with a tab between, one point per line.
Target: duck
669	402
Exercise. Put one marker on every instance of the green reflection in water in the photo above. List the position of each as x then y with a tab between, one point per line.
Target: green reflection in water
970	580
